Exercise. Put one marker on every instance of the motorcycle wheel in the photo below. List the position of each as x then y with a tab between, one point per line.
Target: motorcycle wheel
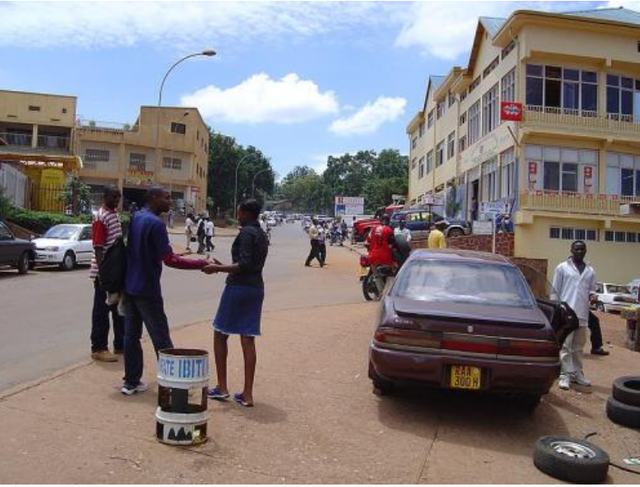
369	288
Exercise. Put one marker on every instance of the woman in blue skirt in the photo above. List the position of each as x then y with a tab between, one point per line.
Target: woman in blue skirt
240	307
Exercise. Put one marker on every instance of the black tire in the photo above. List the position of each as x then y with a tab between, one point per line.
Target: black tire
23	263
627	390
623	414
455	232
571	460
369	288
68	261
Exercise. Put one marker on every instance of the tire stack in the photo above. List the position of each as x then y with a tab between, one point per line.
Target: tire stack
623	407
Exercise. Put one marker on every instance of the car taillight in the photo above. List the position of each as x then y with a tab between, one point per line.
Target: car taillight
364	261
528	348
407	337
471	344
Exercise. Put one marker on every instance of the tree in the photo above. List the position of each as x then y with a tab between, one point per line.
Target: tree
77	195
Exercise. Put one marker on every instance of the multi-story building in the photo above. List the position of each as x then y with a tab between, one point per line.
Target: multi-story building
36	145
571	168
42	142
167	146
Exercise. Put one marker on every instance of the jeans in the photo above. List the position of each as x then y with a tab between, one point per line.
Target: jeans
208	243
150	310
100	322
572	351
596	332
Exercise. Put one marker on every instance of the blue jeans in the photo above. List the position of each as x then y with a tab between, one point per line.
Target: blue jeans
100	322
150	310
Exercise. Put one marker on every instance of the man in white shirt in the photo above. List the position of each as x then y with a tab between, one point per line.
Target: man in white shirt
314	253
209	232
402	229
574	282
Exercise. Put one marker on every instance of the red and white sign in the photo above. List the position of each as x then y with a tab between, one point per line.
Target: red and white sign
511	111
195	189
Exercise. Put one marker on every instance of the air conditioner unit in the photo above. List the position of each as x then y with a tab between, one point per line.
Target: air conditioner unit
630	209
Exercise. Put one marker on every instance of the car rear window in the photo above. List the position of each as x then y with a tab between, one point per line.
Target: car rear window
464	282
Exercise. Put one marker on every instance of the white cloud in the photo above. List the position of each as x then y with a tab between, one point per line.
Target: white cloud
90	24
370	117
261	99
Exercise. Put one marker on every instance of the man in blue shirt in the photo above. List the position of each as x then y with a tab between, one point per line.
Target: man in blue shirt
147	248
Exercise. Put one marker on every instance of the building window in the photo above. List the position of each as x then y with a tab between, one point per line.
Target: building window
572	90
441	109
473	124
490	180
452	99
178	128
463	118
422	129
507	171
568	233
565	169
64	110
621	237
138	161
490	110
440	153
430	119
421	168
93	156
475	84
172	163
429	161
34	108
491	67
621	92
463	95
451	145
414	162
623	174
508	49
508	86
462	143
414	142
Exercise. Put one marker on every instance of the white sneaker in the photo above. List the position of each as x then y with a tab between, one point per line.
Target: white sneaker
129	389
564	383
580	379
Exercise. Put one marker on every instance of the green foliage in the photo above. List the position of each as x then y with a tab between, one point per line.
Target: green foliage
452	204
231	222
40	221
224	155
77	195
366	173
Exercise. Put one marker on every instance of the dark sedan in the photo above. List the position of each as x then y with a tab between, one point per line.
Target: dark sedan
15	252
467	320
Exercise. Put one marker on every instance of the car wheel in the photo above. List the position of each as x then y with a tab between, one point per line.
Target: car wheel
623	414
600	307
68	261
369	288
455	232
23	263
571	460
627	390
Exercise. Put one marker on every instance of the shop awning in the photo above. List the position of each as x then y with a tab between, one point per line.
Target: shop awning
66	163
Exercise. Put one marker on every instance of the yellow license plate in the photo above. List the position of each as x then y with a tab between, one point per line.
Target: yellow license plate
364	271
465	377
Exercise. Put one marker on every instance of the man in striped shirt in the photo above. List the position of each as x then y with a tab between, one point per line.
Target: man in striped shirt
106	230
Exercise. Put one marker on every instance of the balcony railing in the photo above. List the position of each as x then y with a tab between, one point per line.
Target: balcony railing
13	139
99	126
589	121
10	141
578	203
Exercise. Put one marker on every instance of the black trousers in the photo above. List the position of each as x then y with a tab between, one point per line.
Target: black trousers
208	243
100	322
322	252
200	244
314	253
596	332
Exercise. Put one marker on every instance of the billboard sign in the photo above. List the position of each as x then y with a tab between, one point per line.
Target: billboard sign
510	110
349	205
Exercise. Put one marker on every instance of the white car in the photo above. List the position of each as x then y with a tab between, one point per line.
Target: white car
65	245
271	222
613	297
633	286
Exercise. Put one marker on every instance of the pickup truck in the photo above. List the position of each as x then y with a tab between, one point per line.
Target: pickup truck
361	228
419	222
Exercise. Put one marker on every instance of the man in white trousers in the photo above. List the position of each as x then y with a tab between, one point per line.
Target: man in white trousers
574	282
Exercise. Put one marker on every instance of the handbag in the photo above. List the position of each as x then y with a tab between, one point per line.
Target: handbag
193	239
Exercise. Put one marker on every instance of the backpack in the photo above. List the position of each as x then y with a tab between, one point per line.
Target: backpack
113	267
200	232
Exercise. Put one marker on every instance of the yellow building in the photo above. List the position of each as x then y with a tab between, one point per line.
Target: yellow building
129	157
571	168
36	147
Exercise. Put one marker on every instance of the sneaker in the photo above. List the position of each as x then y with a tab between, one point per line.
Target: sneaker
128	389
217	394
104	356
580	379
599	351
564	383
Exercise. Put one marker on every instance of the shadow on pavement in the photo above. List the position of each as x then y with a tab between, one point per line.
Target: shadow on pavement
472	420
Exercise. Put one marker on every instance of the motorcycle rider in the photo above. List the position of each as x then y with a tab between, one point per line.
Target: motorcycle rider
380	240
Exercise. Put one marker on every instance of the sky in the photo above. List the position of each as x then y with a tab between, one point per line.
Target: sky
298	80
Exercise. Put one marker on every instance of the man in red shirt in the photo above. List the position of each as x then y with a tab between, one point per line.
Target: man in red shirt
380	241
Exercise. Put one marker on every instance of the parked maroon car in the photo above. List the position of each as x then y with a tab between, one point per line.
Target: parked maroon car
467	320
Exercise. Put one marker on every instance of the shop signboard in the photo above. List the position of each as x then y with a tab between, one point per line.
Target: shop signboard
349	205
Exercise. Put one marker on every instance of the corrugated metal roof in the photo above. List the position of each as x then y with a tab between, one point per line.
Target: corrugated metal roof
492	24
436	80
619	14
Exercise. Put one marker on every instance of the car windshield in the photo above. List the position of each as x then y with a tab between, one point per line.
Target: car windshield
61	232
464	282
615	288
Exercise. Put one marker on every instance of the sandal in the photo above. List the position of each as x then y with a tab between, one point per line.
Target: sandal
239	398
217	394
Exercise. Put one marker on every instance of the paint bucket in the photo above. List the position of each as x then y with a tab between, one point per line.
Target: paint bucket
183	378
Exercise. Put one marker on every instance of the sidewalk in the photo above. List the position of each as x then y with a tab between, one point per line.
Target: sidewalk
315	419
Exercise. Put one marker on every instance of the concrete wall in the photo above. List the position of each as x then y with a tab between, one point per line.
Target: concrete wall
14	108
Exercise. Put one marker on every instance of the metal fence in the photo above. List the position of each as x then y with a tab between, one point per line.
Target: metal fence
46	197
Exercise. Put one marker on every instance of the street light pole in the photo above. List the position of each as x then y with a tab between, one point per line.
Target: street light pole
253	183
206	52
235	190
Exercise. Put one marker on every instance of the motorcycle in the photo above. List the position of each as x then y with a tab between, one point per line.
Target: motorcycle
337	238
369	288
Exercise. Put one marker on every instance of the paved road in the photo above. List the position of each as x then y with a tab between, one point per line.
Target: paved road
45	315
